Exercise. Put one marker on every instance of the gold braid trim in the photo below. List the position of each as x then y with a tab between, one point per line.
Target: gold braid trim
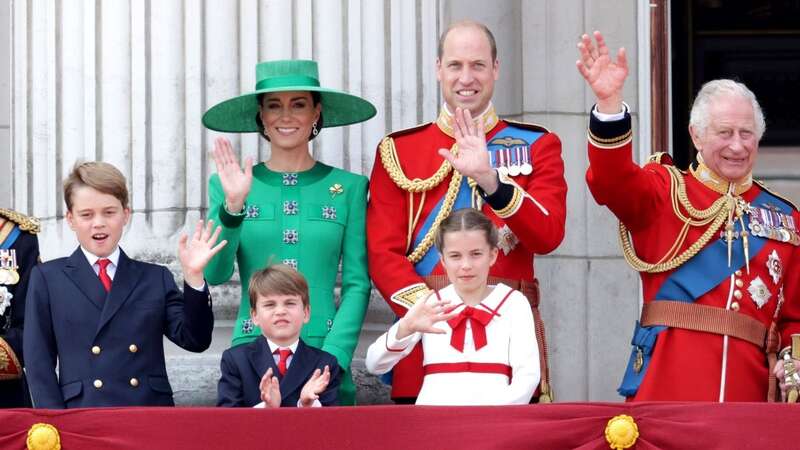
614	140
718	213
391	163
26	223
447	206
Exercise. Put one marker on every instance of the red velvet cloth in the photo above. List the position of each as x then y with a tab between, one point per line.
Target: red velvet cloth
556	426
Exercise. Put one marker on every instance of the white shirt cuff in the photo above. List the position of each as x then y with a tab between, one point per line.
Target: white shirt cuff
399	344
316	404
603	117
198	289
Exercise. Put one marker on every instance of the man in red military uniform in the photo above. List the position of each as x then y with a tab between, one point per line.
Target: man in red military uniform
512	171
719	255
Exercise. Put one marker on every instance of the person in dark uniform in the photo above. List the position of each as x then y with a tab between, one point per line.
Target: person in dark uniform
19	252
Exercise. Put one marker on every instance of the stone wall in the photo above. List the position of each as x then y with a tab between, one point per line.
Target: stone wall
127	81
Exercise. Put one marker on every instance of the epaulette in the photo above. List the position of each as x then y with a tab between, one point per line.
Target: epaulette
662	158
26	223
528	126
404	131
780	196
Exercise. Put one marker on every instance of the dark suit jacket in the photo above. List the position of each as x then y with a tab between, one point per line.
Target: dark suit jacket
243	367
109	346
13	393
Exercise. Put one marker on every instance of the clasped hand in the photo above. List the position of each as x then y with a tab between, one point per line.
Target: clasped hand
316	385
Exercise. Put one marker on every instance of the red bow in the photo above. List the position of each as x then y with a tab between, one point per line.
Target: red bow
478	320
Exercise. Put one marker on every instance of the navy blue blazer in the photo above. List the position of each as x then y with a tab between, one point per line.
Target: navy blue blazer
109	346
243	367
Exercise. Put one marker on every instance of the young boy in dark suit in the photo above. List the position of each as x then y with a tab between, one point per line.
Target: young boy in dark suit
102	315
278	369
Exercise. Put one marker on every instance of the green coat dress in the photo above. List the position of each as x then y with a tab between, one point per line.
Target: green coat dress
312	220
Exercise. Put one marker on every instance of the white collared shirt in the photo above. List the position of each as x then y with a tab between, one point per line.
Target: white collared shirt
111	269
273	348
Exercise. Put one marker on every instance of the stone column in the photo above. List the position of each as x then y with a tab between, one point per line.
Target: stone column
127	81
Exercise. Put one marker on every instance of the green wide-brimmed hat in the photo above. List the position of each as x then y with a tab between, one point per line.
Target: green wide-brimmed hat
238	114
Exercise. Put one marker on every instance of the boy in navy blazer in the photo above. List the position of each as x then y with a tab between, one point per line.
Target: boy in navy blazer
102	315
278	369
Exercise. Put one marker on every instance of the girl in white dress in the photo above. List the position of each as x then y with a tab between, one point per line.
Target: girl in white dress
479	341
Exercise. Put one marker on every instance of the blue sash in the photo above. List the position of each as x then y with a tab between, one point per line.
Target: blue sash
11	238
705	271
428	262
510	134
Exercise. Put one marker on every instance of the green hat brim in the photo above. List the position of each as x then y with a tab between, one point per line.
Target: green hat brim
238	114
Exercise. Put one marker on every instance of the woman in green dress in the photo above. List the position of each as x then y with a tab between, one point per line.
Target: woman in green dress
292	209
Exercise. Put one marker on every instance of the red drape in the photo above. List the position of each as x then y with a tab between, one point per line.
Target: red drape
556	426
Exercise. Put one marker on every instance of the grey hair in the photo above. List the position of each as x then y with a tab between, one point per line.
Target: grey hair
699	117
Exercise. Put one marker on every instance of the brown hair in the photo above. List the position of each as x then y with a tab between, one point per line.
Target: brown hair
98	175
277	279
467	24
466	219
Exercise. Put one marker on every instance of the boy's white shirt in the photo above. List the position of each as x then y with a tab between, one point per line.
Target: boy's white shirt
111	269
511	340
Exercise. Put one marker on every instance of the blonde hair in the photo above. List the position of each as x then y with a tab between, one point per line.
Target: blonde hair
100	176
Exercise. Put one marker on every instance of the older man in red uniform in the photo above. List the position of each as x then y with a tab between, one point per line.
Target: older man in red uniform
719	254
468	157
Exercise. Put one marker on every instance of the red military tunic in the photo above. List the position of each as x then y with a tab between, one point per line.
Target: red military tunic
532	221
687	365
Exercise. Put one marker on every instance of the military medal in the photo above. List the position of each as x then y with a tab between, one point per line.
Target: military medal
507	240
5	299
759	292
769	222
638	363
511	156
498	161
8	267
526	168
774	266
513	168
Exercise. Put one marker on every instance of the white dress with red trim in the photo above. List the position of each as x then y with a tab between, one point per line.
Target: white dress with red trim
487	356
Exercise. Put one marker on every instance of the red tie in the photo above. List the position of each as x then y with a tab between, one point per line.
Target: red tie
478	319
104	278
284	354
